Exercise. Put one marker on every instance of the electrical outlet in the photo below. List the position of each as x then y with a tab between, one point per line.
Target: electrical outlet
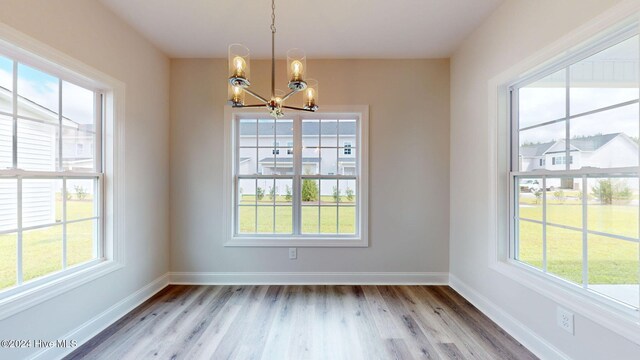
565	320
293	253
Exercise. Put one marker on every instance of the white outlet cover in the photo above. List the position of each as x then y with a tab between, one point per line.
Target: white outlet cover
565	320
293	253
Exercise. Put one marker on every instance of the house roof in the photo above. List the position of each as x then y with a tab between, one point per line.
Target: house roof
587	143
285	128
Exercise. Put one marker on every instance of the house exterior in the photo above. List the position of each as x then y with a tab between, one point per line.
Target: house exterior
598	151
38	151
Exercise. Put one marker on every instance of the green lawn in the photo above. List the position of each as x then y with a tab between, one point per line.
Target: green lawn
610	261
42	248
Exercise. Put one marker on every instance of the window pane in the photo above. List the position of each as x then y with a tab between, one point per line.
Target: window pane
41	201
265	219
266	132
310	161
8	204
530	248
247	191
606	139
347	220
347	131
564	253
347	161
81	240
6	142
42	252
564	201
310	192
247	132
310	133
607	78
78	149
284	133
263	195
613	206
614	268
310	215
539	145
328	219
284	220
347	192
329	133
247	219
543	100
37	145
78	106
247	162
8	260
329	192
80	198
328	161
284	191
6	84
530	196
38	94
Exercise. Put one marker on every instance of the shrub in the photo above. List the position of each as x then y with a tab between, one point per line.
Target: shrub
349	192
559	195
259	193
309	190
272	192
287	195
336	194
538	194
81	193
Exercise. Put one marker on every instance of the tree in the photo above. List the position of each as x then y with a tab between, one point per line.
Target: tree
259	193
606	191
81	193
559	195
309	190
336	194
538	194
272	192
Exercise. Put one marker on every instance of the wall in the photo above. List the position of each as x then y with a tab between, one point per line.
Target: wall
90	33
515	31
409	152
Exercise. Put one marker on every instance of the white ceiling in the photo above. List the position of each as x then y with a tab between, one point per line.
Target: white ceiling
323	28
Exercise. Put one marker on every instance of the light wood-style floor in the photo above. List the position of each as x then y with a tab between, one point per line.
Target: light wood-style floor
304	322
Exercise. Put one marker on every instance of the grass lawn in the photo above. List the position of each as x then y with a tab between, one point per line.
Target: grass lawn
610	261
42	248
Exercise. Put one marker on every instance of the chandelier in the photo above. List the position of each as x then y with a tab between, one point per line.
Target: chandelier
296	69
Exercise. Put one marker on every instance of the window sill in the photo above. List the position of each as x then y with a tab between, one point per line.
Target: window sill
618	318
296	242
28	298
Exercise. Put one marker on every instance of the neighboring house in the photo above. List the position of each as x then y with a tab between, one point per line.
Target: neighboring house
324	150
597	151
38	149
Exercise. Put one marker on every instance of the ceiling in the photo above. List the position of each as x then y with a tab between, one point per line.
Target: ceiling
382	29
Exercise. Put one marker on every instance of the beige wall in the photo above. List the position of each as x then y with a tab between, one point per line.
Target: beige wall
409	153
91	34
516	31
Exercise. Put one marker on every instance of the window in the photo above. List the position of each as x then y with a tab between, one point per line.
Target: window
542	162
577	221
304	196
347	148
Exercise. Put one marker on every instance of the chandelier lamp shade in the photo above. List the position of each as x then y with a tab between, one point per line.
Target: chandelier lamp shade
239	79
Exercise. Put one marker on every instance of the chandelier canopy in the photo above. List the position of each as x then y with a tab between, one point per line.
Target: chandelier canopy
239	66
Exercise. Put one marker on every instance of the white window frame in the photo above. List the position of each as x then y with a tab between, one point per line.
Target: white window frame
360	239
620	320
31	52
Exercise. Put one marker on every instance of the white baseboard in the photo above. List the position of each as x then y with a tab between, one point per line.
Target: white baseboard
532	341
309	278
91	328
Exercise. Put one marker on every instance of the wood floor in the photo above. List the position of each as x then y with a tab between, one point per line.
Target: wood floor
304	322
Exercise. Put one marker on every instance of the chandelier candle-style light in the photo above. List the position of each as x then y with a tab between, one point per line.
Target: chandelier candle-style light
296	70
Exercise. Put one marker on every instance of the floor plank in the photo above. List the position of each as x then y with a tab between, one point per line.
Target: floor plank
304	322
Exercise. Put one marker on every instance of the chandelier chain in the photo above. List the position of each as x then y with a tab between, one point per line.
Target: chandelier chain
273	16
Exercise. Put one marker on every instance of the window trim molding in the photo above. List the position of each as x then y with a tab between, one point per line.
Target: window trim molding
600	311
304	241
25	49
